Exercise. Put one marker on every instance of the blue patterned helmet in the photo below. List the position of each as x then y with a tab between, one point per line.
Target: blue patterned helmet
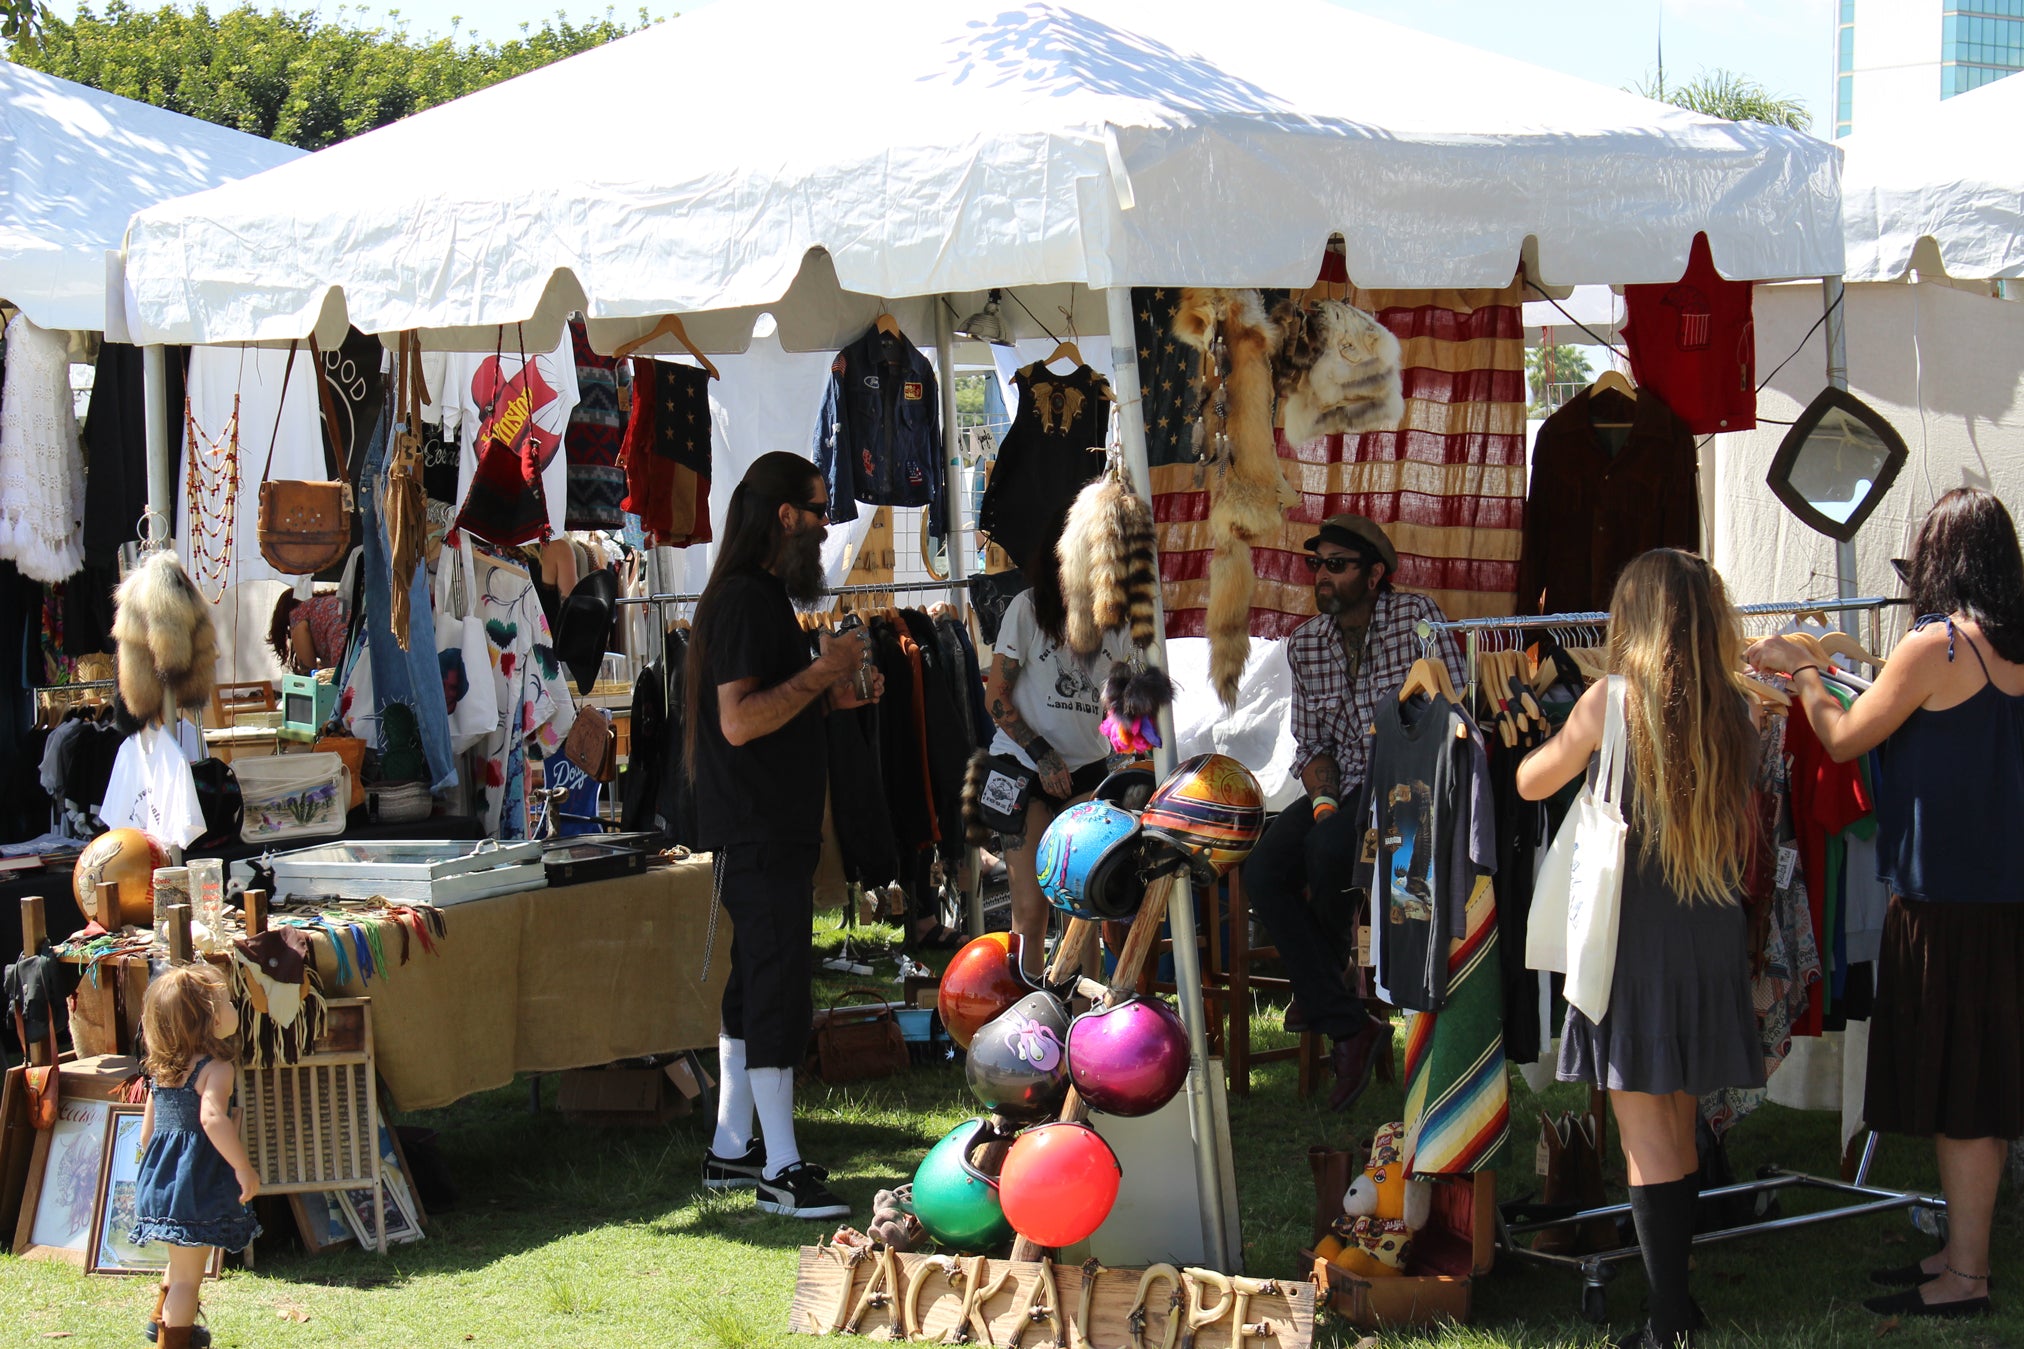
1088	862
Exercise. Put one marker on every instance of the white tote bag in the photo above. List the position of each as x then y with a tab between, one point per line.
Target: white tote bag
476	714
1576	902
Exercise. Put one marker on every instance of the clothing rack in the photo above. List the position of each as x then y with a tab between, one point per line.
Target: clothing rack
1598	1268
894	588
1472	629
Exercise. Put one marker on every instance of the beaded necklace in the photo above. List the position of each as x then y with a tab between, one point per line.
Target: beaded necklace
213	476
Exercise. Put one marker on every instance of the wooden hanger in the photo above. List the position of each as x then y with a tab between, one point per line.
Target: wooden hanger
1610	381
669	326
1429	676
887	324
1065	349
1767	693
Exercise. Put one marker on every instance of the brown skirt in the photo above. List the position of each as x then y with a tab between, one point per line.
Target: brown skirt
1946	1044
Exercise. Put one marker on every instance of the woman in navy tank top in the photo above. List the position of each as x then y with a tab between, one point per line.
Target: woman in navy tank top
1946	722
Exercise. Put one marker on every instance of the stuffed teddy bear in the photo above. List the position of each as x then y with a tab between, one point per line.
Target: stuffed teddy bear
1382	1210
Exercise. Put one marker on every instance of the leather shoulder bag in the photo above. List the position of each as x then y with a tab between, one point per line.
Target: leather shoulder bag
856	1043
592	744
305	527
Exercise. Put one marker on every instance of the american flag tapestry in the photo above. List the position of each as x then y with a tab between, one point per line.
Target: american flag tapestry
1448	485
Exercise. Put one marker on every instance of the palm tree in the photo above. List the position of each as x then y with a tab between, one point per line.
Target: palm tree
1733	97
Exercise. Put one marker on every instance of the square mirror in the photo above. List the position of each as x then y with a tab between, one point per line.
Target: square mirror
1836	463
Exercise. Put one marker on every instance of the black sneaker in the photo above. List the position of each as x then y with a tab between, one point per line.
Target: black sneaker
734	1173
798	1192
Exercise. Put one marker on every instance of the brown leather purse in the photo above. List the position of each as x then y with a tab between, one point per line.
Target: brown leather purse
855	1044
45	1085
305	527
592	744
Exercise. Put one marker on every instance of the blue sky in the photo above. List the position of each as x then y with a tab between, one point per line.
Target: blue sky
1787	45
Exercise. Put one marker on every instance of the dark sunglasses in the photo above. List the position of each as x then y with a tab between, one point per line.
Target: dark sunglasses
818	509
1336	565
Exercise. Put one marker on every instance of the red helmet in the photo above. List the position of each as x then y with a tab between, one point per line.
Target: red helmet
1210	811
1058	1183
981	982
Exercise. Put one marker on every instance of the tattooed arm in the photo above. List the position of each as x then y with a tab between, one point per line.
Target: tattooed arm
1054	774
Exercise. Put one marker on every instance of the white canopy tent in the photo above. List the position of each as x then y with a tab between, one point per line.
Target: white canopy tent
1942	193
1934	217
952	146
75	164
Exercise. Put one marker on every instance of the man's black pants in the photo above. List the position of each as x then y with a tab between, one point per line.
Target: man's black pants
1298	880
769	891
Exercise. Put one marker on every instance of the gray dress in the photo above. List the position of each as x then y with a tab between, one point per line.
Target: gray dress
1681	1015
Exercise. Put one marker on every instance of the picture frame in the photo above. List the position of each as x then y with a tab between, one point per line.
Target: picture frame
400	1223
109	1251
63	1172
320	1219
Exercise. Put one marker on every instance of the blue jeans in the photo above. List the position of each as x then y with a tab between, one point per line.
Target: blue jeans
414	676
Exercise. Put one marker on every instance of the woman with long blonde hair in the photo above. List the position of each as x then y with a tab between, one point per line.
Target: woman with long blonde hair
1680	1021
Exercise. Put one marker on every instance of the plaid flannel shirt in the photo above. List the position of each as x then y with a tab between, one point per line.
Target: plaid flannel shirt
1333	717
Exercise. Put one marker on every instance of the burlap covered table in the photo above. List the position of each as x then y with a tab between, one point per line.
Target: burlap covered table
546	980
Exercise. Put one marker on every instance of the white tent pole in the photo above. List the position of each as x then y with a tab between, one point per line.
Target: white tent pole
1833	298
1181	904
154	392
161	492
952	467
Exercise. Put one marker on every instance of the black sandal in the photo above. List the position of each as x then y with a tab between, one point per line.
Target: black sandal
1909	1303
1909	1276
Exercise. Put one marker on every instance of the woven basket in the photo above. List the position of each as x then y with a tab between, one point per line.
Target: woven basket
400	802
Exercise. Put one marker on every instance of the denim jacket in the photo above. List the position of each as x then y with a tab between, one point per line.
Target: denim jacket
879	438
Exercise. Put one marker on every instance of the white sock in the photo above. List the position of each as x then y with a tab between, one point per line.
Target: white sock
734	1100
773	1095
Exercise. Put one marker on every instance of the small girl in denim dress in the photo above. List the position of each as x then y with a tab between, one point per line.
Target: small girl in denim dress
195	1177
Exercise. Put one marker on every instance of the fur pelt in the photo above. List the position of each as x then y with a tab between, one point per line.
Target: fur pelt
1137	694
1141	569
1108	569
166	638
1337	371
1248	495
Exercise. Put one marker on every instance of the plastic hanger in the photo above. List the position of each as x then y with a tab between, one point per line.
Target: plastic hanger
669	326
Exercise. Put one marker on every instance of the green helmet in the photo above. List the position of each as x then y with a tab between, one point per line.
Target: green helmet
956	1202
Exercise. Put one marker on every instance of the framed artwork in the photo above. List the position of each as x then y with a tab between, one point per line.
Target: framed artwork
400	1223
111	1251
62	1190
321	1220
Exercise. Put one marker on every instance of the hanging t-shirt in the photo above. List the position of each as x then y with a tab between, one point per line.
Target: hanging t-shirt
1057	693
480	391
221	547
596	427
1431	834
1694	344
152	790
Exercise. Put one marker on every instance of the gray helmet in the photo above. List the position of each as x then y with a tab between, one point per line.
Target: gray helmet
1018	1063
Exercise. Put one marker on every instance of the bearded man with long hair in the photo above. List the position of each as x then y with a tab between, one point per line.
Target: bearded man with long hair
756	751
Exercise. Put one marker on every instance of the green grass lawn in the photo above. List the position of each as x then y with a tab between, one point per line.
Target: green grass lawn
568	1236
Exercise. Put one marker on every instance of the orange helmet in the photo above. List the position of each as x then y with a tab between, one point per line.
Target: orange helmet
982	980
1210	811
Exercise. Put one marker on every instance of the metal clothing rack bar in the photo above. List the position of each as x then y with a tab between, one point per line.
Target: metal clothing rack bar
895	588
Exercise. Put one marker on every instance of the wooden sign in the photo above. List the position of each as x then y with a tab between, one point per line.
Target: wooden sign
1036	1304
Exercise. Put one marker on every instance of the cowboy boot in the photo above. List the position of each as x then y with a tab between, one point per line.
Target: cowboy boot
176	1337
200	1336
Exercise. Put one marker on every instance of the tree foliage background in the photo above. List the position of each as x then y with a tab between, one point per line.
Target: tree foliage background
1736	98
291	75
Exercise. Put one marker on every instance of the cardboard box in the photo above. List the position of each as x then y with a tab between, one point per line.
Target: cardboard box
623	1096
1458	1244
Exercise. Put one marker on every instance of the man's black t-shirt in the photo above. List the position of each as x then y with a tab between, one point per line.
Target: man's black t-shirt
769	790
